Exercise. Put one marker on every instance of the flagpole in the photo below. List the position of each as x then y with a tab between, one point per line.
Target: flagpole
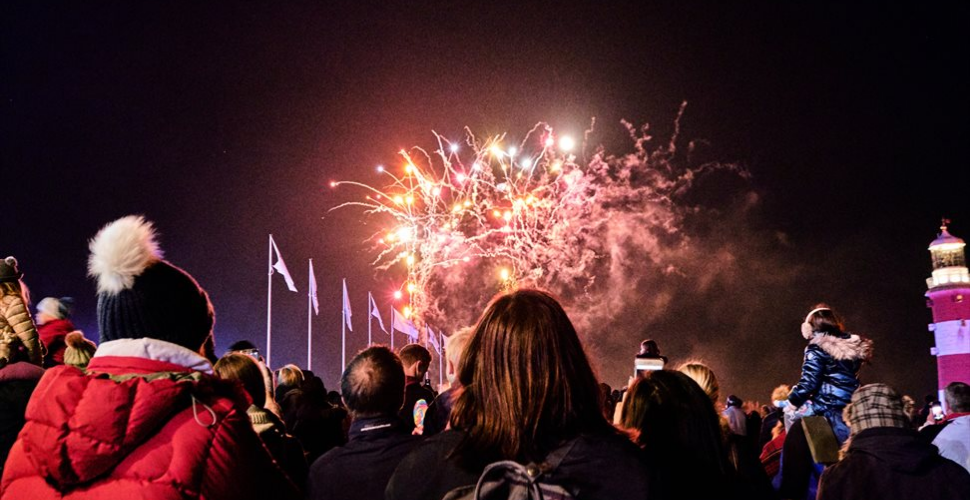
370	317
441	360
309	318
392	328
269	306
343	331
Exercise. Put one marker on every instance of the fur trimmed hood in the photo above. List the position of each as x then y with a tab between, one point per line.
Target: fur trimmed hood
850	348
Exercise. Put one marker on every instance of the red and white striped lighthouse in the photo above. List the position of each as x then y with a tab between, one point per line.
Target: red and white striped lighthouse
948	295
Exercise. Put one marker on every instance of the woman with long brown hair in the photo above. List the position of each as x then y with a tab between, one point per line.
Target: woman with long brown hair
530	397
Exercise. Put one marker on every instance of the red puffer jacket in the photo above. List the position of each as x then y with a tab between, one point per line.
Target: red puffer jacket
137	428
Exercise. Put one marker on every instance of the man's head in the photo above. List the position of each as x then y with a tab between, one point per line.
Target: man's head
649	347
373	383
734	401
416	360
957	395
875	405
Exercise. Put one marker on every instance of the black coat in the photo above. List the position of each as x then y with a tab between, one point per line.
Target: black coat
17	383
830	371
360	469
891	463
606	467
413	391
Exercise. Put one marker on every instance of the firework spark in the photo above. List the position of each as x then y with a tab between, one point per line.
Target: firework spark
500	216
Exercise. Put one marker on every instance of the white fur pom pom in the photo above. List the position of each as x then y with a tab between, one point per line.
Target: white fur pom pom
121	251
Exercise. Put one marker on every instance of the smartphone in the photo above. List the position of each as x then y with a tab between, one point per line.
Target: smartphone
252	353
937	412
643	365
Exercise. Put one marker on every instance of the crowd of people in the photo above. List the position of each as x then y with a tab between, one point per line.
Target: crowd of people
152	412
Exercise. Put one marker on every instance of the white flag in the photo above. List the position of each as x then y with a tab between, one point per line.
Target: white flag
347	312
280	266
313	290
433	339
375	312
403	325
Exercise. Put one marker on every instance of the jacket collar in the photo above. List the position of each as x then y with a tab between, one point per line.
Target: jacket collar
842	348
149	355
374	426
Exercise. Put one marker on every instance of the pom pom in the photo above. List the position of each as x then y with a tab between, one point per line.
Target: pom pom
75	339
11	261
121	251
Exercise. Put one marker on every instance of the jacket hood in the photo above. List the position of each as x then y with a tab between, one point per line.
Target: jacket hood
57	325
851	347
80	426
901	449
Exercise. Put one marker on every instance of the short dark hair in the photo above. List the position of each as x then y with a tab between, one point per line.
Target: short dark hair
412	353
241	345
957	395
825	320
373	383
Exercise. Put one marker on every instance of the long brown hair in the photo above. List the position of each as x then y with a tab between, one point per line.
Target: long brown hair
528	384
672	418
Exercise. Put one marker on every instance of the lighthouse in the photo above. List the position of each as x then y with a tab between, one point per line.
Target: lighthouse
948	295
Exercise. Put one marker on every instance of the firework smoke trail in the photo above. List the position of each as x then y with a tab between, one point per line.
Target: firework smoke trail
464	226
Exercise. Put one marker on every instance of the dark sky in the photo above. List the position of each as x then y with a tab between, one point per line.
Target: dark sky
224	122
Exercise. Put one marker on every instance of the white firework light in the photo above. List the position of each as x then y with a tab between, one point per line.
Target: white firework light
481	215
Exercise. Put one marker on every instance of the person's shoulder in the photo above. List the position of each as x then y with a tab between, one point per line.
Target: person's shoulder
609	445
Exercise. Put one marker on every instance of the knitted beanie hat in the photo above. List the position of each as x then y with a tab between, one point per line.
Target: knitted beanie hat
79	349
142	295
58	308
875	405
9	270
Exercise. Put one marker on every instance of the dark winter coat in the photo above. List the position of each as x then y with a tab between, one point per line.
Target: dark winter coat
284	448
52	334
318	425
413	391
891	463
136	427
17	382
600	467
830	371
439	412
361	469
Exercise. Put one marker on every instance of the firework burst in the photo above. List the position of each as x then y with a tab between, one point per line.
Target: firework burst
473	217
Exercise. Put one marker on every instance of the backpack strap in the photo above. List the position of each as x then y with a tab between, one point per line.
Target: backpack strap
555	457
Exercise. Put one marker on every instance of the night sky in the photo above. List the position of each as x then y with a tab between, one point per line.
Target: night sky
225	122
